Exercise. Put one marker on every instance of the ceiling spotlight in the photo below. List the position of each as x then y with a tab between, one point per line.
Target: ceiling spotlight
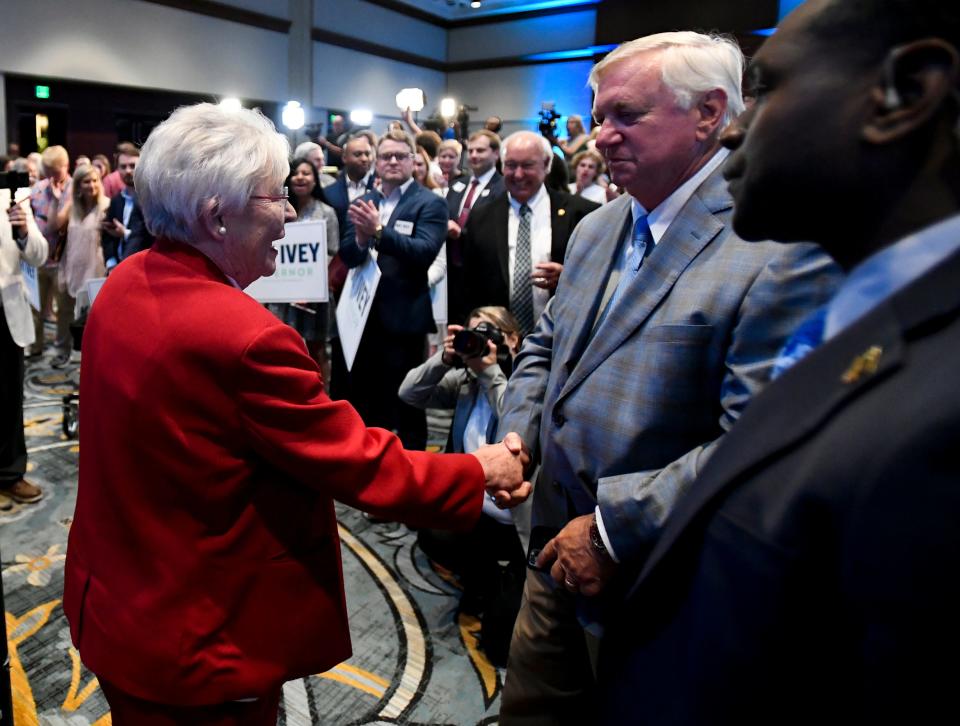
361	117
475	4
231	104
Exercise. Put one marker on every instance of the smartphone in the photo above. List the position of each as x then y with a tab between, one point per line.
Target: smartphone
539	536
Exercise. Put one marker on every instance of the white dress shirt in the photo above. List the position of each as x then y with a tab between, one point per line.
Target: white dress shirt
355	190
390	203
541	239
482	182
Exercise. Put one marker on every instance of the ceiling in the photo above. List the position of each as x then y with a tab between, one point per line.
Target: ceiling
461	10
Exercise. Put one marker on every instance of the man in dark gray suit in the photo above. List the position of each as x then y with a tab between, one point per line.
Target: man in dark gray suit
811	574
663	326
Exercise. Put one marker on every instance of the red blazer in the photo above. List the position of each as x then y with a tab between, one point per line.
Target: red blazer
203	562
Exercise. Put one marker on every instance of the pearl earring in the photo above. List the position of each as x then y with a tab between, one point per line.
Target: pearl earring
222	229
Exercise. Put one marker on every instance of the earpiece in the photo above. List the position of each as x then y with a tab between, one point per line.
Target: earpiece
891	98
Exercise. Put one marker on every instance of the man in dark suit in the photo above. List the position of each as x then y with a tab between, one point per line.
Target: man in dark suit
810	576
355	179
515	242
664	325
406	225
483	148
124	230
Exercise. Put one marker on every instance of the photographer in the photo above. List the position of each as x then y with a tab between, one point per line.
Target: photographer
470	376
20	239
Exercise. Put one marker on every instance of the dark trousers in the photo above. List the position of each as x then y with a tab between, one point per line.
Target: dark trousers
127	710
13	448
383	360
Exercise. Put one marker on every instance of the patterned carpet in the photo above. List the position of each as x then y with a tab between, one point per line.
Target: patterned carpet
415	657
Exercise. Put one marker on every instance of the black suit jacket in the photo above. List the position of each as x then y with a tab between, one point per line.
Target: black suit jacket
454	197
139	238
337	197
402	301
810	576
486	247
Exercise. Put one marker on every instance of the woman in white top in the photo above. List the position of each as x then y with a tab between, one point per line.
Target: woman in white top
588	168
448	159
82	254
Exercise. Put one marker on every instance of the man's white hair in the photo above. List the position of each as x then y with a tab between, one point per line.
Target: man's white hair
206	157
528	136
305	148
690	65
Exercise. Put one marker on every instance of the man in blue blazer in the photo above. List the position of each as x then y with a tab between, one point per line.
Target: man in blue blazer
406	224
124	229
811	575
664	325
355	179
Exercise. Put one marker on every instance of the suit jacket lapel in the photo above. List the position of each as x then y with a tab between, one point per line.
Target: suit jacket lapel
774	421
501	221
592	275
693	229
559	227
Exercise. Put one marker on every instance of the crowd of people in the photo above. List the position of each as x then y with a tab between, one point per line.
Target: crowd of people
721	354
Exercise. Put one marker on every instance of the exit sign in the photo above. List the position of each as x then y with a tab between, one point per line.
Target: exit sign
42	91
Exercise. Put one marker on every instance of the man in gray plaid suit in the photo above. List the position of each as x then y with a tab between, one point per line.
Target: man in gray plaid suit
664	324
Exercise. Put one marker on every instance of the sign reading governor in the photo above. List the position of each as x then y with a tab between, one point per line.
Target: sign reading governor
301	274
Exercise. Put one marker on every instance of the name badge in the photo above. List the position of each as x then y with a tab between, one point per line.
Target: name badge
459	187
403	227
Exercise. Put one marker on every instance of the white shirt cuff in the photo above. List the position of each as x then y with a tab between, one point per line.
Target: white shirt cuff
603	535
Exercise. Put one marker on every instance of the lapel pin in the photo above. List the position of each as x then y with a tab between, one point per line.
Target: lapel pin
864	364
561	212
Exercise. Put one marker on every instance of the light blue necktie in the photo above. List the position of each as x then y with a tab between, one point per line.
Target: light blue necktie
633	258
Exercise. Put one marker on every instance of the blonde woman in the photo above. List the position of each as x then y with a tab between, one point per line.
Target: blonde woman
82	255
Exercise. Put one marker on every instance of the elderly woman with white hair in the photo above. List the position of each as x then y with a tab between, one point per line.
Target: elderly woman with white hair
203	567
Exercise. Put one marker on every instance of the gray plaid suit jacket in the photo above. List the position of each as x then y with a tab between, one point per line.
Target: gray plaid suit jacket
627	416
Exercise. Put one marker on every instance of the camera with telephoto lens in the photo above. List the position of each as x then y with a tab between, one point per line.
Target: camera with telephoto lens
472	343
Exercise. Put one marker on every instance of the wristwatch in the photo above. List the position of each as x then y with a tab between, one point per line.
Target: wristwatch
378	232
596	541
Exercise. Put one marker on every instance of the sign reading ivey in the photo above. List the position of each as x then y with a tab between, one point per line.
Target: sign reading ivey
301	274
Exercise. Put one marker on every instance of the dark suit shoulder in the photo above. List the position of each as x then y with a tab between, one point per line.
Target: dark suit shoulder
564	200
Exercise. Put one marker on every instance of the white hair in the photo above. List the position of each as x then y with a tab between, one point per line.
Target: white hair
206	157
690	65
305	148
528	136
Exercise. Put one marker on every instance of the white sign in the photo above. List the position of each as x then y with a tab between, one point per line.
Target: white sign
301	274
93	288
354	306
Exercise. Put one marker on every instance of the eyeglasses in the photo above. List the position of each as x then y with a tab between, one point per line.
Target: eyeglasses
396	156
281	197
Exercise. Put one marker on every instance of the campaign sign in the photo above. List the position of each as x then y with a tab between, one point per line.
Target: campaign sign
301	274
354	306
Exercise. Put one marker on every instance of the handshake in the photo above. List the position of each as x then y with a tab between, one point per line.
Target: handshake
503	465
